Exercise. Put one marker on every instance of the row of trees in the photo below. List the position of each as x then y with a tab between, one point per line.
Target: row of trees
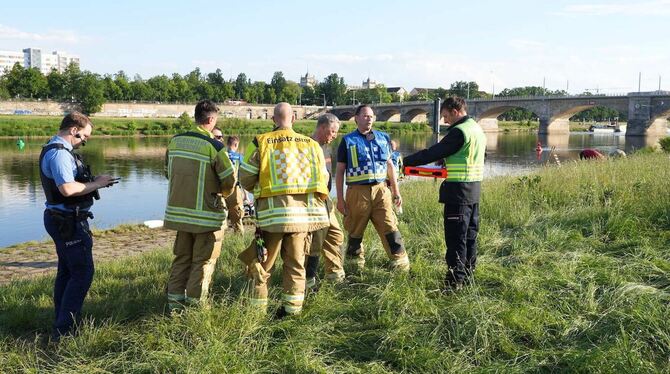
92	90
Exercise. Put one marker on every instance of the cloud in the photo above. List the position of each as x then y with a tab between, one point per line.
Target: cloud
632	8
64	36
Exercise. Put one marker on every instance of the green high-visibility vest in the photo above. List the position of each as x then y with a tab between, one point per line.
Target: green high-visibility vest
467	165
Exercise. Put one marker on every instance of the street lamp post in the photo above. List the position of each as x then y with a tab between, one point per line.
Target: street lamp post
300	99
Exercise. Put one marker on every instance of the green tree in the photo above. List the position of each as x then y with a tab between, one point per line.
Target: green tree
90	92
56	85
72	77
278	84
308	96
121	80
112	91
140	89
334	89
291	93
255	92
465	89
269	94
241	85
4	93
182	91
162	86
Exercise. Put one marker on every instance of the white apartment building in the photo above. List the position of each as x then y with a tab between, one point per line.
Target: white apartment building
9	58
34	58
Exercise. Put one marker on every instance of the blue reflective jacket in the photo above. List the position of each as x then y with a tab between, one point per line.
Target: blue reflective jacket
366	159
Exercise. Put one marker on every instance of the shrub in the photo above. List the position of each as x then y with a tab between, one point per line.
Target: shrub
665	144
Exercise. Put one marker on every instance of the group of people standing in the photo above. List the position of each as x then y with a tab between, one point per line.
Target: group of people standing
289	176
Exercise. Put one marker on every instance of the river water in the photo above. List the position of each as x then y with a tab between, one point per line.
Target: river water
141	194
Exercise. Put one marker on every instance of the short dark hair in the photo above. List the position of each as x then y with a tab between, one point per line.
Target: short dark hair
232	139
454	102
326	120
75	119
360	107
205	109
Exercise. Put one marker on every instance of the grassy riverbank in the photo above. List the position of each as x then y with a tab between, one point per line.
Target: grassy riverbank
573	276
48	125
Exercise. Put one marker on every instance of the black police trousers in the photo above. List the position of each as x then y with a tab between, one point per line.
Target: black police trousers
461	225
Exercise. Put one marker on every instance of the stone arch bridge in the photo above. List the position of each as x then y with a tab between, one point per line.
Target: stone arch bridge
647	112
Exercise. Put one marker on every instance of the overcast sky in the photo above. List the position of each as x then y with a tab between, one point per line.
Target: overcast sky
421	43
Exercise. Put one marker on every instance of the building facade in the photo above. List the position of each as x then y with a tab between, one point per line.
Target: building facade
9	58
307	80
35	58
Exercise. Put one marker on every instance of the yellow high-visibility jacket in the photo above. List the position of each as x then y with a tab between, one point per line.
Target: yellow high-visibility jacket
200	175
287	173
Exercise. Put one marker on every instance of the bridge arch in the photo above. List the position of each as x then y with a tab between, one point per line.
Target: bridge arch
495	112
345	116
389	115
415	115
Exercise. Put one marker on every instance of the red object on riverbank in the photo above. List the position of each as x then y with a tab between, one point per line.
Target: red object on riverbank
426	171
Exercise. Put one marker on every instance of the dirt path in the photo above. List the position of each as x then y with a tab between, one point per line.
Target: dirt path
30	259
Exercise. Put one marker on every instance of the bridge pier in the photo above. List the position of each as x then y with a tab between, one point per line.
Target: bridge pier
642	127
554	126
488	124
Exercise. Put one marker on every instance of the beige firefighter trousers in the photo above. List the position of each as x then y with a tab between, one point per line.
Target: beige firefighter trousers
292	248
194	260
328	242
235	204
371	203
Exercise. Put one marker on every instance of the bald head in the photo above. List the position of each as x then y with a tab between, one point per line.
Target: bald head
283	115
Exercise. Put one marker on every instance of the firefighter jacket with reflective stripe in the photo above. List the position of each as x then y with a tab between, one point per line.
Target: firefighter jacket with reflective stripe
287	173
367	157
467	165
200	175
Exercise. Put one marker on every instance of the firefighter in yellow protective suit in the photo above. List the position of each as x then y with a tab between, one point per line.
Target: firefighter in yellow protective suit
200	176
326	242
287	174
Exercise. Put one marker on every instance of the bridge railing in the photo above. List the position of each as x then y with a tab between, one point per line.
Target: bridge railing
497	98
534	97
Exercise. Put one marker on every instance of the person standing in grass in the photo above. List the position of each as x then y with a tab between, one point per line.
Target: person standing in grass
69	191
364	157
462	151
287	172
329	240
396	158
199	173
235	201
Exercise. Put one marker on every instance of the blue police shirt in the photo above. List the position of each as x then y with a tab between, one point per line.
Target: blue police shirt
59	166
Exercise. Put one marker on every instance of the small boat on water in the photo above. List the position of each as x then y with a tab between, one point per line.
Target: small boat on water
608	128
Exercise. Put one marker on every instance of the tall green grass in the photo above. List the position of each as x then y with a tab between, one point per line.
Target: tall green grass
573	276
48	125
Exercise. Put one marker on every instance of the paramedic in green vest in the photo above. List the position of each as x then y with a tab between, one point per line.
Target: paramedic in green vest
462	152
200	176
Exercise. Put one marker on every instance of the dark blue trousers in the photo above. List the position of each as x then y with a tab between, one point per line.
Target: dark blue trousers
461	225
75	268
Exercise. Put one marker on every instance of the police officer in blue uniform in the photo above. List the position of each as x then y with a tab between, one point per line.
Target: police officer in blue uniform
70	189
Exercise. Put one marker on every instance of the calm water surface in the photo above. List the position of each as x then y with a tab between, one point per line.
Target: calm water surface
141	195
